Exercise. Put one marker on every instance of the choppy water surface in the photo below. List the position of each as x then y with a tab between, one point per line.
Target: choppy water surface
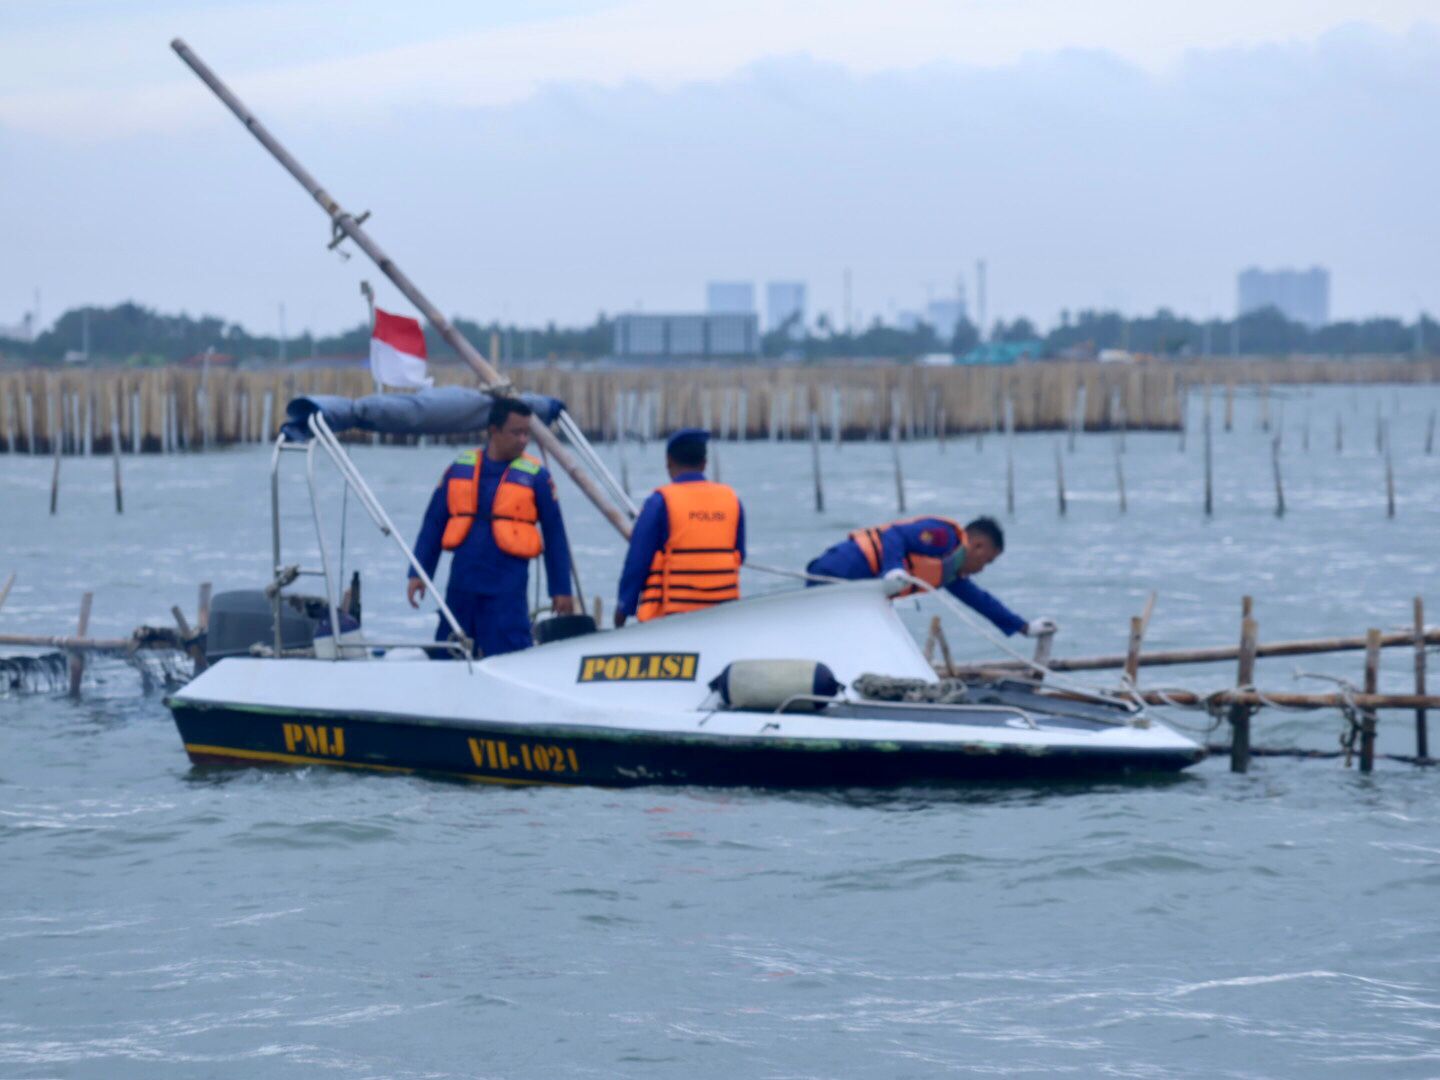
160	921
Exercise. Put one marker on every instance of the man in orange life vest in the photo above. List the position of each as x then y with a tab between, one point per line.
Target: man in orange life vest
688	542
486	510
938	551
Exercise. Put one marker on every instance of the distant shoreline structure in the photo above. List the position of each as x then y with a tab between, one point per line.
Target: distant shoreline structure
182	408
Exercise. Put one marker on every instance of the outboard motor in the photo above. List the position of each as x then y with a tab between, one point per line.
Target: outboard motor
772	685
244	617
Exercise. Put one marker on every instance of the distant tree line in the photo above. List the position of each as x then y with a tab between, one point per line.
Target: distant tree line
139	335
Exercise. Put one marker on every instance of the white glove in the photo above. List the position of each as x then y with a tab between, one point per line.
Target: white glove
896	582
1040	627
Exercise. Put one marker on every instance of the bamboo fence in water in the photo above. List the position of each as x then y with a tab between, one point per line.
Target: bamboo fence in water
169	409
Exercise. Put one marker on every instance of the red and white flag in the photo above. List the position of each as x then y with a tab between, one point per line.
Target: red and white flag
397	351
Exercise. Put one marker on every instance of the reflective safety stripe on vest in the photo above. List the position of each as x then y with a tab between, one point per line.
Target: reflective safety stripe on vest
700	563
513	513
928	568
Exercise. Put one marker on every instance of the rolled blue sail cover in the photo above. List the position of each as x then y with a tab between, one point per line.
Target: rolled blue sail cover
441	410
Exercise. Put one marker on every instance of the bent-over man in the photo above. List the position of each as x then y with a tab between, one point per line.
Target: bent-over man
938	551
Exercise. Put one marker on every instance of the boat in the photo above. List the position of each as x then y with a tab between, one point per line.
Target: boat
800	688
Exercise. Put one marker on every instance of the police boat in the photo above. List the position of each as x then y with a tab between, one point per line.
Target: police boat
822	687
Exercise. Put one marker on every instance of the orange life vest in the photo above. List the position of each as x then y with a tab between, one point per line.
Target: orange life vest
927	568
513	514
700	563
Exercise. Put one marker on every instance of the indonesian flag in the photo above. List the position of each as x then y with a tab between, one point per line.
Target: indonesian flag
397	351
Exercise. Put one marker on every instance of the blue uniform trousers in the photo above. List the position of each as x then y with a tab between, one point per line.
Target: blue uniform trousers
497	623
844	560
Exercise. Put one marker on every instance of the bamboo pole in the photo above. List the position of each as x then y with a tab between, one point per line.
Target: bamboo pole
1430	433
1120	482
1060	479
1284	698
5	589
815	462
344	225
1389	482
1043	644
115	462
899	474
68	643
190	642
1339	434
1279	483
1422	733
1174	657
1148	611
1367	716
77	659
1239	715
1132	651
55	478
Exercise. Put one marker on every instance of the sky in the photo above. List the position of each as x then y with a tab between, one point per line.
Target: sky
558	158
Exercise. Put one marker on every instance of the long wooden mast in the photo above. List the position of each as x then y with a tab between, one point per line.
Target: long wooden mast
346	225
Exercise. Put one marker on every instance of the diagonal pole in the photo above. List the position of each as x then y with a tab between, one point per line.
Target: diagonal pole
346	225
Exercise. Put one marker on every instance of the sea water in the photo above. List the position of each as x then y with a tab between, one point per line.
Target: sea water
162	921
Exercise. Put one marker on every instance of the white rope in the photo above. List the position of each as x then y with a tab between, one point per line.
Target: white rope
999	642
975	627
1129	696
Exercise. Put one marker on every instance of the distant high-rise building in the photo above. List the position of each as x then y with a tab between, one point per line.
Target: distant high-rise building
663	337
730	298
1302	296
945	316
785	300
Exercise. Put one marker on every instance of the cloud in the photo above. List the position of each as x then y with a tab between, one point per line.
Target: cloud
1086	179
316	60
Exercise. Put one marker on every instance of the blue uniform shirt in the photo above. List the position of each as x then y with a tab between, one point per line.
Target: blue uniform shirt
924	536
652	530
478	566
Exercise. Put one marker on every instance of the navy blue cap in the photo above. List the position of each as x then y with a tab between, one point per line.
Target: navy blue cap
689	435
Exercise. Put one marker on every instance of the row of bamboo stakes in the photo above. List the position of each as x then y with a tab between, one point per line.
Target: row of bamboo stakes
162	410
1361	704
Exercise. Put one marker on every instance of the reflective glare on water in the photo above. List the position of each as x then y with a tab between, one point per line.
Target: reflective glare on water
160	921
